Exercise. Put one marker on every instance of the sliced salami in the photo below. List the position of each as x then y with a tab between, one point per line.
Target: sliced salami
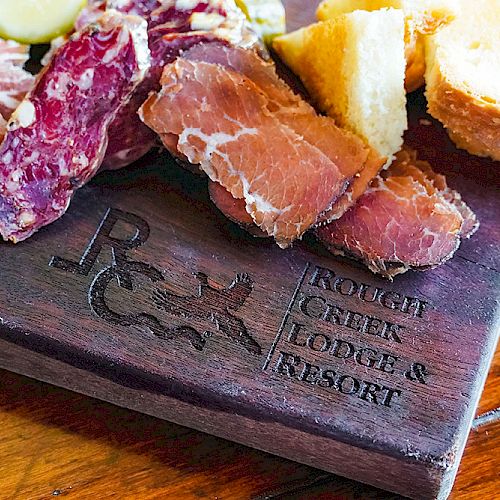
58	135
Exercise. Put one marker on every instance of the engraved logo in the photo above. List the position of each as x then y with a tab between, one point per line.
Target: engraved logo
215	306
337	335
211	304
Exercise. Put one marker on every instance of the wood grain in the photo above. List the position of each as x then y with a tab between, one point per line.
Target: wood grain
145	296
490	400
55	441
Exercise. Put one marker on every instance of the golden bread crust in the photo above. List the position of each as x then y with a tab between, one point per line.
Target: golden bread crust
472	122
416	31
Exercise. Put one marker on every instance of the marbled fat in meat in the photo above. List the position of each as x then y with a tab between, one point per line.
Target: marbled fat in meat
407	219
251	134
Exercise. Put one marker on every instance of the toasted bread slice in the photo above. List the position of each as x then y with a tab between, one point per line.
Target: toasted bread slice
354	67
423	17
463	78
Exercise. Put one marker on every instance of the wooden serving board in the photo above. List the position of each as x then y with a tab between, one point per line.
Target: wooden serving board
145	296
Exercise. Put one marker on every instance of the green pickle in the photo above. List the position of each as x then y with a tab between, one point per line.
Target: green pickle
37	21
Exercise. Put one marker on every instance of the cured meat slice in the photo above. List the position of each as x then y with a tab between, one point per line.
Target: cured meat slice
408	163
233	209
285	181
355	159
251	134
346	150
173	26
15	82
407	219
57	136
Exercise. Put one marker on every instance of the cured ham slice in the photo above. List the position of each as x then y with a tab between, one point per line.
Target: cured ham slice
407	219
296	112
57	137
292	110
250	133
173	26
234	209
15	82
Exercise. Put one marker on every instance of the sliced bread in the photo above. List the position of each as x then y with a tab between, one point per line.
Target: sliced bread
463	78
354	67
423	17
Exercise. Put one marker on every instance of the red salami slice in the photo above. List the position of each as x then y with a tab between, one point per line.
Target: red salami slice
57	137
15	82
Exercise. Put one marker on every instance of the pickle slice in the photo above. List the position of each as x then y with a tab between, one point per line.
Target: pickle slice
267	17
37	21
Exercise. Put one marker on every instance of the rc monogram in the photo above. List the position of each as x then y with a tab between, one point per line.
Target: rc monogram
210	304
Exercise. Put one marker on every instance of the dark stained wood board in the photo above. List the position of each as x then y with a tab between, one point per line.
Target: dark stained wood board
67	320
95	450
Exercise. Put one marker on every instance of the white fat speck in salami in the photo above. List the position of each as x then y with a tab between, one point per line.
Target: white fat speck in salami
186	4
23	116
205	22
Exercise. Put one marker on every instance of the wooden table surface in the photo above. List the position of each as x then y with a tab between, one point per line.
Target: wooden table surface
57	443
